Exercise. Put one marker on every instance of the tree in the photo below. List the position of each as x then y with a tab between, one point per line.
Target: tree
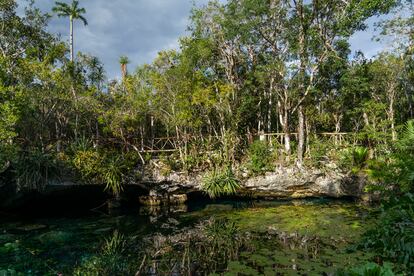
74	13
124	61
320	26
400	30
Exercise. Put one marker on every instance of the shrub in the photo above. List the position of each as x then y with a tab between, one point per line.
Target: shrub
319	151
354	159
101	167
369	269
260	157
396	170
393	236
87	163
218	183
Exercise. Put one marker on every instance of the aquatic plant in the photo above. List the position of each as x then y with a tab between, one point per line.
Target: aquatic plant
220	182
109	261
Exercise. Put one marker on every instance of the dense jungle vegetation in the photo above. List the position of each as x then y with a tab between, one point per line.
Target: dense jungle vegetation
246	68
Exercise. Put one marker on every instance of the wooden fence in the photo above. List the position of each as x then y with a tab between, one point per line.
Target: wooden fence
337	138
170	144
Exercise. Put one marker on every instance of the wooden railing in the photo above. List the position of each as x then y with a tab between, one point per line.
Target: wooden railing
171	144
337	138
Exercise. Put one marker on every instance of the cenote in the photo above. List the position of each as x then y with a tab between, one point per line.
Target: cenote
299	237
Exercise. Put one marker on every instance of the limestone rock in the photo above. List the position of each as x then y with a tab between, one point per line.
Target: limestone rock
178	199
301	184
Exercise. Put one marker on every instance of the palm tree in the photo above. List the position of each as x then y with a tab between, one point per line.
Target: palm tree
123	60
74	13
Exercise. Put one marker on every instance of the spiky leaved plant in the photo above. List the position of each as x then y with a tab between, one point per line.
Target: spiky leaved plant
220	182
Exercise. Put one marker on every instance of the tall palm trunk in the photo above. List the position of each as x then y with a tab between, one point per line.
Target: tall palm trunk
71	39
123	71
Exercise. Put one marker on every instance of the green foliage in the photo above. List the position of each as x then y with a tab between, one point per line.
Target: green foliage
8	155
393	236
102	167
112	174
320	151
110	261
87	163
369	269
397	169
355	159
220	182
73	10
260	157
35	169
211	96
124	60
360	157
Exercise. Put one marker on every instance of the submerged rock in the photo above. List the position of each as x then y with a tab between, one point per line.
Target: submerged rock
55	237
31	227
5	238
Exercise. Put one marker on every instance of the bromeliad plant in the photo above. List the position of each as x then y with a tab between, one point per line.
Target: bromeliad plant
220	183
360	157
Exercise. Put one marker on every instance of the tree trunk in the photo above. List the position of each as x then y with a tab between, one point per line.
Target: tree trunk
338	121
392	120
302	79
284	122
391	112
307	135
269	109
301	135
72	56
124	71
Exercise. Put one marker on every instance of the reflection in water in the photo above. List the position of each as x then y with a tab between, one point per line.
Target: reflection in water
272	238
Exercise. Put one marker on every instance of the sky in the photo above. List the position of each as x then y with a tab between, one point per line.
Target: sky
140	29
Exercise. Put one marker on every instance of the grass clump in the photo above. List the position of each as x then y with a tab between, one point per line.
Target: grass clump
35	169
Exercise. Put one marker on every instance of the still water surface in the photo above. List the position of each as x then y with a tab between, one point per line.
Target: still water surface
303	237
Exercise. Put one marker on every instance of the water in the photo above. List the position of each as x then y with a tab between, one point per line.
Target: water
313	237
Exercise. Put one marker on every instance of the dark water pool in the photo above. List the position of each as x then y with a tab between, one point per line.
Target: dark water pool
304	237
